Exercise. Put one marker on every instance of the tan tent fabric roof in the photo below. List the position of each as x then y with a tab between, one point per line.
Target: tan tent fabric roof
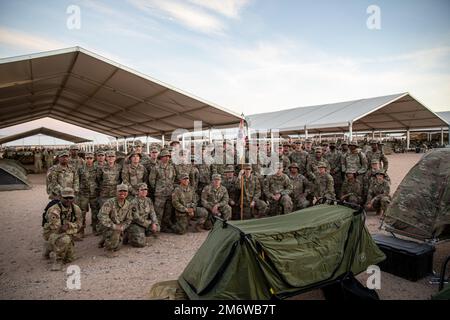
47	132
85	89
392	112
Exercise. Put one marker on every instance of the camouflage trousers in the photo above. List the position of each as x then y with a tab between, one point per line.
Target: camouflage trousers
112	239
86	203
299	202
164	212
38	166
62	245
182	220
135	235
337	178
224	212
381	202
283	206
258	211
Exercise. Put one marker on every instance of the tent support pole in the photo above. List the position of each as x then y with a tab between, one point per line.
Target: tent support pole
442	136
407	139
146	142
350	131
117	144
320	137
162	140
271	140
306	133
373	134
125	148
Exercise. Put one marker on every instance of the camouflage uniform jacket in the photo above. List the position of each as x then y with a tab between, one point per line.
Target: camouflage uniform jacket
311	168
356	161
112	213
212	196
60	177
300	157
76	162
107	179
277	184
204	173
143	212
88	181
150	164
300	185
352	188
325	186
188	169
370	177
162	179
230	185
184	198
252	188
58	215
132	175
376	189
334	159
379	155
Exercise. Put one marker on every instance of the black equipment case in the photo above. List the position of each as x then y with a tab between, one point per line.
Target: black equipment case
406	259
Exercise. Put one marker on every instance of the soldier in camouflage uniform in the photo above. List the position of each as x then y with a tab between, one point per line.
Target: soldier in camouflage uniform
108	177
215	199
377	154
308	147
300	157
133	174
253	206
324	184
144	221
114	218
100	159
284	159
378	196
334	159
38	161
300	194
62	221
312	167
161	180
370	176
88	192
49	157
204	171
355	160
75	160
183	166
352	190
184	201
344	152
229	182
61	176
277	189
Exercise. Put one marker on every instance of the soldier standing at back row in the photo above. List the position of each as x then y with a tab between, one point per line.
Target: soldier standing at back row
133	174
334	159
88	192
229	182
75	160
60	176
108	177
37	161
355	160
377	154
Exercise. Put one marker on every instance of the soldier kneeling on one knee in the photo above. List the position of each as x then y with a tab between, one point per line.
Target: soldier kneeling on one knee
144	217
61	221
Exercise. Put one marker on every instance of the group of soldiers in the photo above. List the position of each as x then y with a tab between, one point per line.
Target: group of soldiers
142	195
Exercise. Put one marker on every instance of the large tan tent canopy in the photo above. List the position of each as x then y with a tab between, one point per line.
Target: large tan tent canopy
45	131
392	112
82	88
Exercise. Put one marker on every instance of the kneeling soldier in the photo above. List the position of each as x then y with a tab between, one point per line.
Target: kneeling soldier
278	188
378	196
114	217
184	201
62	221
215	198
144	218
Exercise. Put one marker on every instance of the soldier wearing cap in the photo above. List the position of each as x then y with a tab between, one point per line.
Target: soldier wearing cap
300	157
204	171
352	190
184	166
62	221
355	160
87	175
162	179
152	162
100	158
284	159
38	160
378	196
325	148
324	184
215	199
370	176
75	160
277	189
229	182
377	153
286	149
312	167
114	218
60	176
137	149
253	206
133	174
308	147
108	177
144	220
301	185
185	203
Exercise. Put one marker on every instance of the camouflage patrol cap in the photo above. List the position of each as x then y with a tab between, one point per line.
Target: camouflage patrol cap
308	141
247	166
184	176
353	143
345	142
286	144
172	143
297	142
229	168
142	186
373	142
380	172
110	153
63	153
89	154
135	153
122	187
325	144
138	143
321	164
154	149
374	161
67	192
74	147
352	171
318	149
293	165
332	143
216	177
100	152
164	153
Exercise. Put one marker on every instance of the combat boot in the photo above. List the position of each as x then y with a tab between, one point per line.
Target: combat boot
56	265
46	254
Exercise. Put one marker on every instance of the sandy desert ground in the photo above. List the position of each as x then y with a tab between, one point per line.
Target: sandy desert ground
24	273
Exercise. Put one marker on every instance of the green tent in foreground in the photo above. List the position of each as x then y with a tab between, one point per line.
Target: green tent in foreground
281	255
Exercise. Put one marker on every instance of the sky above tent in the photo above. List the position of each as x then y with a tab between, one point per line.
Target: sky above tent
253	56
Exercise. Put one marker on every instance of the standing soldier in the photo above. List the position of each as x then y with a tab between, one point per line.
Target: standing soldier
61	176
352	190
300	157
49	159
108	177
138	148
253	206
37	161
334	159
88	193
144	218
377	154
277	189
204	173
133	174
229	182
313	162
300	188
378	196
114	218
355	160
75	160
308	147
61	221
184	166
184	201
100	159
284	159
324	187
161	180
215	199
